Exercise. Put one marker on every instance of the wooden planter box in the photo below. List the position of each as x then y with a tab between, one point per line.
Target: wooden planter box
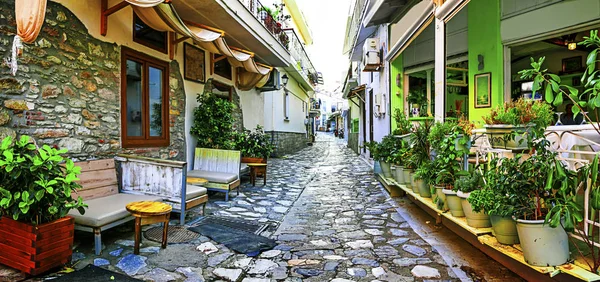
499	136
249	160
36	249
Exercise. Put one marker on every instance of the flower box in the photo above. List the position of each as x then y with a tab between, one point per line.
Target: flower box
36	249
506	136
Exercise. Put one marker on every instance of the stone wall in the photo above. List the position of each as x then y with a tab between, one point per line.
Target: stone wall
353	142
66	92
287	142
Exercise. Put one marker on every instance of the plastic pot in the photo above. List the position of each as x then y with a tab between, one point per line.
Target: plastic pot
399	175
440	196
407	172
386	169
474	219
423	188
453	203
505	229
543	245
413	183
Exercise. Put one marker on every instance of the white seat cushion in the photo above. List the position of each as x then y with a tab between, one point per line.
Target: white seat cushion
193	191
102	211
213	176
244	168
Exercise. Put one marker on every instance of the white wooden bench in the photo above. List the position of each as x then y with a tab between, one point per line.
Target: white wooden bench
220	167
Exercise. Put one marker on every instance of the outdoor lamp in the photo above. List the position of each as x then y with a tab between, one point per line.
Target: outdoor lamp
284	79
572	46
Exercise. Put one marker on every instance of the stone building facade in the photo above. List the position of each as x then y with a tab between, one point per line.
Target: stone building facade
66	92
287	142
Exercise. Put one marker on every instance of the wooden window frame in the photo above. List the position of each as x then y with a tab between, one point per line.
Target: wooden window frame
146	43
215	60
221	84
145	140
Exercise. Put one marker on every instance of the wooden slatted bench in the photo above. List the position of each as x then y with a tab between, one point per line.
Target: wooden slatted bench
106	206
220	167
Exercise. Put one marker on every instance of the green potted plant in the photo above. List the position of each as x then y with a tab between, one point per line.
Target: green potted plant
424	174
416	97
421	148
443	142
403	126
255	146
213	123
507	126
398	162
500	209
37	188
464	186
386	149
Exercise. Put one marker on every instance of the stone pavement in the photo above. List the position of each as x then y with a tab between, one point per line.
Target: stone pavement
332	221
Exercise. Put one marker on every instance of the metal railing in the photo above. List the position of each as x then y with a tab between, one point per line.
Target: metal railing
355	22
303	63
260	12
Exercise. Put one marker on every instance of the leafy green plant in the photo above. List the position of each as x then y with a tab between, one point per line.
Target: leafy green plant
213	123
469	183
373	148
417	96
521	112
426	172
388	146
403	125
443	138
420	144
254	144
35	187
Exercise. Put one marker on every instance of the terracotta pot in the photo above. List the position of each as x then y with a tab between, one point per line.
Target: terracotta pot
249	160
36	249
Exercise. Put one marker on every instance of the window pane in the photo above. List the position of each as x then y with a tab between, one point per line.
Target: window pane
134	98
155	88
144	34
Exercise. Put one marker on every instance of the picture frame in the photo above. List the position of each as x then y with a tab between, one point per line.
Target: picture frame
572	64
483	90
194	67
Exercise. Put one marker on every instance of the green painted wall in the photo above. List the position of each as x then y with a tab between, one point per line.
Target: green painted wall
397	101
484	39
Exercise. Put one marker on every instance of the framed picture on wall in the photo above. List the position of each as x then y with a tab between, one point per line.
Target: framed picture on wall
483	90
193	63
573	64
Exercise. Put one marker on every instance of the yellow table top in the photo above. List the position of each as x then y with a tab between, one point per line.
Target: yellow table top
256	164
196	180
148	208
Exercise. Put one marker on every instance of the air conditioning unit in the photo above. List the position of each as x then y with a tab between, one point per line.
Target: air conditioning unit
371	58
274	82
380	106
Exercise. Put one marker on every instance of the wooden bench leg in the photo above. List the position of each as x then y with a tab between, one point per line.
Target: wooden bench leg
97	241
204	209
165	231
265	177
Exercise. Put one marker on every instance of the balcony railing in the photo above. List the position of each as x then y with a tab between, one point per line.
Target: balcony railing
303	63
261	13
355	22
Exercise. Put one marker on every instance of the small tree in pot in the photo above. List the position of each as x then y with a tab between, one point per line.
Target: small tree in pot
255	145
213	123
36	185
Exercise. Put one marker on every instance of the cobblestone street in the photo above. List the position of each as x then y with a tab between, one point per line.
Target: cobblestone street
332	221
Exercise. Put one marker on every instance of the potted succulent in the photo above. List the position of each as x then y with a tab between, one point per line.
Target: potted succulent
465	185
255	146
507	126
37	188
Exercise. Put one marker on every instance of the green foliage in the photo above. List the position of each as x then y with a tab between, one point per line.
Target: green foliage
469	183
388	147
254	144
417	96
35	187
420	145
373	148
443	138
156	118
521	112
404	126
426	172
213	123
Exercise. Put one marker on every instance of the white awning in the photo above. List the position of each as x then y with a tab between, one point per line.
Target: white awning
412	31
449	9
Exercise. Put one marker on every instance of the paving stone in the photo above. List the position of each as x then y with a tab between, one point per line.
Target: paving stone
191	274
153	250
270	254
331	265
378	271
228	273
397	217
398	241
217	259
77	256
411	261
341	280
335	257
261	266
249	279
291	237
116	252
131	264
101	262
398	232
360	244
417	251
309	272
375	232
242	263
385	251
207	248
160	275
126	243
421	271
357	272
279	273
178	255
365	261
359	234
298	262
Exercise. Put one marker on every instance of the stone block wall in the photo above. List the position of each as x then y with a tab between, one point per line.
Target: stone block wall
66	92
353	142
287	142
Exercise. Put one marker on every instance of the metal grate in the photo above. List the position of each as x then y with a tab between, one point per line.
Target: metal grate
175	234
232	223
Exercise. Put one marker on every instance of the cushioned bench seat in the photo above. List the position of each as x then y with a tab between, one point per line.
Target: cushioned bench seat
105	210
214	176
193	191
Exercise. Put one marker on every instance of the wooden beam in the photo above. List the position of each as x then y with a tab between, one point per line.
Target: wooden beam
173	41
105	11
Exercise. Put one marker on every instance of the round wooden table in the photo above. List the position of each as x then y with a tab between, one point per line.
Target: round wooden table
257	169
146	212
196	181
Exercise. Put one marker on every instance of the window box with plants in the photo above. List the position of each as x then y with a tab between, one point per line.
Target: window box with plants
37	188
508	125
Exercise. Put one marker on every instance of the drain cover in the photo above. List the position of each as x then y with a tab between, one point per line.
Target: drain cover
232	223
175	234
